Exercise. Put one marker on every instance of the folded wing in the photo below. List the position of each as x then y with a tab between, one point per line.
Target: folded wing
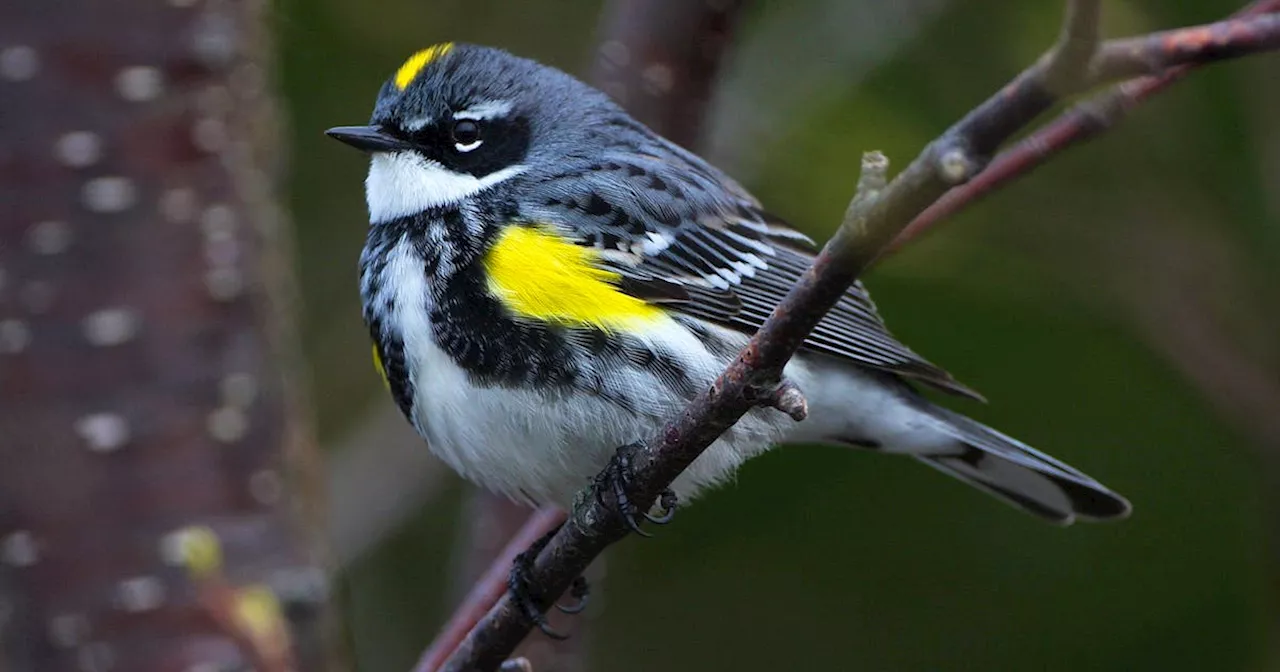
684	234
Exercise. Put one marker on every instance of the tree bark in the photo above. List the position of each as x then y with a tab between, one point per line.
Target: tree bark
145	346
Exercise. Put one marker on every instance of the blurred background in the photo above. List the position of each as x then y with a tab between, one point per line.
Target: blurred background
1118	309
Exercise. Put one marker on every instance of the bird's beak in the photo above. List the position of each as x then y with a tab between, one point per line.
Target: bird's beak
367	138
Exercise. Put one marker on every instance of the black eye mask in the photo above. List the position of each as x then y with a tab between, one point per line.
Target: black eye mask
503	143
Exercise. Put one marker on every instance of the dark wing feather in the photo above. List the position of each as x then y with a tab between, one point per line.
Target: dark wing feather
683	233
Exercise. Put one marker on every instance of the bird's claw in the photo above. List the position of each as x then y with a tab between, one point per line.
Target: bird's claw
519	584
666	500
617	479
580	591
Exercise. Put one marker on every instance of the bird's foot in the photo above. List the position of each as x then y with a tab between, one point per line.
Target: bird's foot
616	479
518	581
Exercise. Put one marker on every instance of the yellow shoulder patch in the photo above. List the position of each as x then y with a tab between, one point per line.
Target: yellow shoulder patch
377	365
407	72
539	275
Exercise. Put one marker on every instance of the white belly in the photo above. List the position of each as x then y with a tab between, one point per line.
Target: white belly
544	447
525	444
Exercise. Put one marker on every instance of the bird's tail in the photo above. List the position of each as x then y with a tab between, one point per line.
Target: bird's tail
1020	474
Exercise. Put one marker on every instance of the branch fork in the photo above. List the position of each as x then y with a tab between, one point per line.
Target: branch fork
785	396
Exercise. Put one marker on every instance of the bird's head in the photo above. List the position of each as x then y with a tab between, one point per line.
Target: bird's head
457	119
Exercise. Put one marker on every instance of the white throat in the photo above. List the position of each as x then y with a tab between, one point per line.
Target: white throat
406	183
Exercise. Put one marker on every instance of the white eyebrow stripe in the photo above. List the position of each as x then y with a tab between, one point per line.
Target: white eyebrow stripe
487	110
418	124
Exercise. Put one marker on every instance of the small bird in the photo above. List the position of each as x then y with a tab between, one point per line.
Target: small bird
546	279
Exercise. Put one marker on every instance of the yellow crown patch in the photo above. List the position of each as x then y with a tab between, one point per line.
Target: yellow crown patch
418	61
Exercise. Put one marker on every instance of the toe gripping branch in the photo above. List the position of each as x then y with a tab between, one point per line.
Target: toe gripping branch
520	584
616	480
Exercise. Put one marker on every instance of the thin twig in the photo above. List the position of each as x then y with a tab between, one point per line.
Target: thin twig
1077	43
1062	72
1082	122
964	149
954	158
1151	54
788	398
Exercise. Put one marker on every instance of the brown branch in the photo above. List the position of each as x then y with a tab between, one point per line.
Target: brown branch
963	150
1082	122
1077	43
489	522
873	220
1149	54
1251	31
487	589
788	398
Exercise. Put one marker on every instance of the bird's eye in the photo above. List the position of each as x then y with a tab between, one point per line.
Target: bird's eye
466	135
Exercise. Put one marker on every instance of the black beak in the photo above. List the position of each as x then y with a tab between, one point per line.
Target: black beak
367	138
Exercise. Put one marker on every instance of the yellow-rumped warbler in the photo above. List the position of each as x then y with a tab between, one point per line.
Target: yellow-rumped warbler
546	279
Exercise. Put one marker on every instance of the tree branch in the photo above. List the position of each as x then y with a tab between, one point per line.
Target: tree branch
873	220
1148	54
490	586
1077	43
1082	122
